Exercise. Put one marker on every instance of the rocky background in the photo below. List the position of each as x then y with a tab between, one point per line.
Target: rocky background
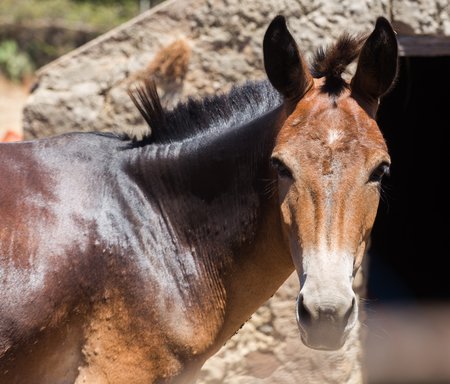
198	47
86	89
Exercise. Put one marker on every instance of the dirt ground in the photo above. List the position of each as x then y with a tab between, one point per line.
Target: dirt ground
12	101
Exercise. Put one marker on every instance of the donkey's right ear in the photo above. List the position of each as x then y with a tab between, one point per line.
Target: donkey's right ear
283	62
377	64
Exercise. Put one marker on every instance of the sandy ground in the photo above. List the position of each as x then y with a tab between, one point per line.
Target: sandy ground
12	100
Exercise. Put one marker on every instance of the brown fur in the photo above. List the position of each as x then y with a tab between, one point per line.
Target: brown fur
171	62
361	146
326	154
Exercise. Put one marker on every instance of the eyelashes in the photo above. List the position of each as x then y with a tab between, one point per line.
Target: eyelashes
379	172
282	169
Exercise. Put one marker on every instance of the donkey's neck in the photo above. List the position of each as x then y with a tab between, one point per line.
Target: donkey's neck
213	187
217	195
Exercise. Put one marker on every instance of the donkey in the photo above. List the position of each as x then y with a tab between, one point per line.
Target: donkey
133	261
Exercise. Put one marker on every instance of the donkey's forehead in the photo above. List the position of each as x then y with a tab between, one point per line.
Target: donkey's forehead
335	121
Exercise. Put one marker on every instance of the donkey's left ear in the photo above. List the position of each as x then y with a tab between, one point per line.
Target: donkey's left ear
283	62
377	63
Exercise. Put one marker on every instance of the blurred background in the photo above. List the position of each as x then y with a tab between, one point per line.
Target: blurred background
66	65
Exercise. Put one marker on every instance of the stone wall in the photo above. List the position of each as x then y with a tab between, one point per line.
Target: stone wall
86	89
198	47
427	17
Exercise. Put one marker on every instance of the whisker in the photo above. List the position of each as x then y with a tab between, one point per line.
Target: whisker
385	194
270	188
379	332
367	300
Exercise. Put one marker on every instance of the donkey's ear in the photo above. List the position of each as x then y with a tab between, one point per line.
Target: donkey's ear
283	62
377	63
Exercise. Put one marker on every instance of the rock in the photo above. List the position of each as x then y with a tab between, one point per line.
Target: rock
225	37
428	17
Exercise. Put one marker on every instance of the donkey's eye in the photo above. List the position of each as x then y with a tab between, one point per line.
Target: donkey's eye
281	168
377	174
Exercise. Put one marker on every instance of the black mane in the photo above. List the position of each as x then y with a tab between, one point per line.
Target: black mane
214	162
332	62
219	113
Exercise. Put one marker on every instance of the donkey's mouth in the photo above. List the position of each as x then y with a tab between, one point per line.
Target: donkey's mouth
323	339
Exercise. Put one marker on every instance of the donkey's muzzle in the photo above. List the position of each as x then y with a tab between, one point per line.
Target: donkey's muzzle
325	324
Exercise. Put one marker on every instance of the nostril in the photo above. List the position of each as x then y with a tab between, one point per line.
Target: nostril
303	314
350	310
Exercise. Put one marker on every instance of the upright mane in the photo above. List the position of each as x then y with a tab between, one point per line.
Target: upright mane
332	61
219	113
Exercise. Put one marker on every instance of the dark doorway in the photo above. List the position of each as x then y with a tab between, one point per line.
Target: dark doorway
409	257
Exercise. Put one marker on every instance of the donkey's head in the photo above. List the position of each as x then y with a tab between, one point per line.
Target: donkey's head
330	156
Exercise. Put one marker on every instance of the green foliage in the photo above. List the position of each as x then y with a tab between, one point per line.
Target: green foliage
101	15
36	32
107	1
14	64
